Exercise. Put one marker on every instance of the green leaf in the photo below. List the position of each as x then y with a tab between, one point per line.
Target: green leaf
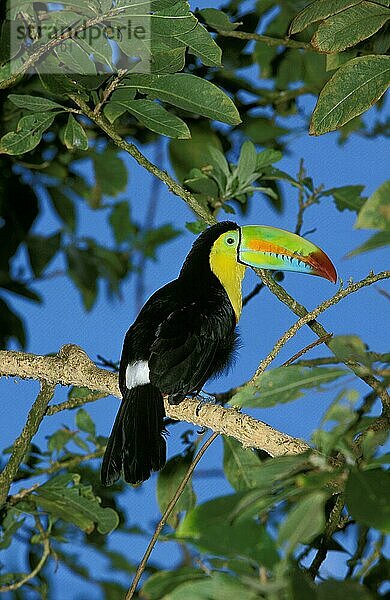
217	19
35	103
375	213
169	61
187	154
64	207
382	238
349	347
342	590
200	43
367	496
58	440
11	326
75	60
79	392
41	250
196	227
120	221
262	130
153	238
247	162
75	137
334	61
188	92
219	161
11	523
349	27
304	522
84	272
275	481
167	483
284	384
110	173
317	11
215	586
160	584
64	497
84	422
168	20
267	158
353	89
208	527
157	118
200	183
28	133
347	197
240	464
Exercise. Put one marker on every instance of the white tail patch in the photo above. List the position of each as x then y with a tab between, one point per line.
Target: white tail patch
137	373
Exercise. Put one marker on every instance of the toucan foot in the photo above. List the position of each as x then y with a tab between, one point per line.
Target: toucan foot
204	398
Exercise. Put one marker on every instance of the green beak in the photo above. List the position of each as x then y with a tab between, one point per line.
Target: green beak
276	249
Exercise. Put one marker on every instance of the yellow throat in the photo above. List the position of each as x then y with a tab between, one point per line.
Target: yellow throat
230	273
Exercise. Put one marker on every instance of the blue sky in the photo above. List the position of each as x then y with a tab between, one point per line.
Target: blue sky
61	319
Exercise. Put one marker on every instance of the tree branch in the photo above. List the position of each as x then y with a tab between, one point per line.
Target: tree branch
72	366
167	512
22	443
330	528
308	318
45	554
266	39
131	149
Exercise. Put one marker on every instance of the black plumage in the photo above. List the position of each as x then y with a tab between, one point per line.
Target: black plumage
186	333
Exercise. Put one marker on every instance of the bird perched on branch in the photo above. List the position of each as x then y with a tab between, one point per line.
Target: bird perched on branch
186	333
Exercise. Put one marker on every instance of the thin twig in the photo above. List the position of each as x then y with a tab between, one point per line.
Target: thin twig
74	403
258	287
109	90
308	318
131	149
163	520
330	528
321	340
22	442
46	552
383	292
269	41
148	224
360	547
58	465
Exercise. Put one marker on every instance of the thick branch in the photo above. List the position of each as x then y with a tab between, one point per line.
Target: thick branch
22	443
72	366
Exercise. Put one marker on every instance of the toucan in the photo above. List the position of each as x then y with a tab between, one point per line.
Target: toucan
186	333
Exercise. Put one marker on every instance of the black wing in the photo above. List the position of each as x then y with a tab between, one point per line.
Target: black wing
183	354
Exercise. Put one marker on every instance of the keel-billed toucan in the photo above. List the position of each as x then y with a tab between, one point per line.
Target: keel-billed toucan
186	332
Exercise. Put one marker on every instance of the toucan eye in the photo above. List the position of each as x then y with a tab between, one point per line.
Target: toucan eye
230	241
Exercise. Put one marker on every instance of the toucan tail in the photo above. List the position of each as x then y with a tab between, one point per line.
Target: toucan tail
136	445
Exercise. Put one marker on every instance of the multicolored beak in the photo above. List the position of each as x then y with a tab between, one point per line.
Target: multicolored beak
271	248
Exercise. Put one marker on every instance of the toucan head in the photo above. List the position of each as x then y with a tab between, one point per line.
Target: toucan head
265	247
226	249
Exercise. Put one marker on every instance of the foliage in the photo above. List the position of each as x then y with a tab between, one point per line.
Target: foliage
63	152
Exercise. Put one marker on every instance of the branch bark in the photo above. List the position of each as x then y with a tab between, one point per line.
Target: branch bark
266	39
22	443
72	366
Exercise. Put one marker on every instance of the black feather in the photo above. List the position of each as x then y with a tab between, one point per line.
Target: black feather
185	333
136	446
